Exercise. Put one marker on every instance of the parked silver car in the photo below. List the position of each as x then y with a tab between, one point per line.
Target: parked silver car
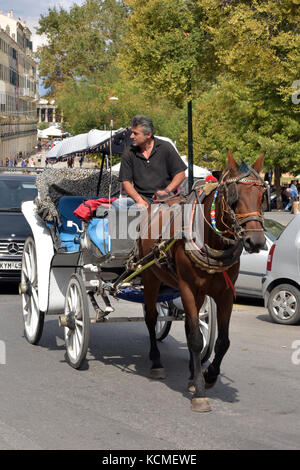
281	284
253	266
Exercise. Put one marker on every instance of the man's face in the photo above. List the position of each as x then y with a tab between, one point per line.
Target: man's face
138	137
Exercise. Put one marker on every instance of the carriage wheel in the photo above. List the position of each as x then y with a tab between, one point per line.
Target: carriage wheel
77	331
162	327
208	324
32	316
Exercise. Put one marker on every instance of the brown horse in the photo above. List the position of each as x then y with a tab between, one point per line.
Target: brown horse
232	219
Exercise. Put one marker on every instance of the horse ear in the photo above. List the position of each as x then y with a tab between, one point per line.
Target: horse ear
257	166
232	165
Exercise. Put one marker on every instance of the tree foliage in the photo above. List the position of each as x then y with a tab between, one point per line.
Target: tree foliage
243	58
86	106
228	115
166	48
82	42
237	60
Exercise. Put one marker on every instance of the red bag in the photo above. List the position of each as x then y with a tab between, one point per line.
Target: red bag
86	210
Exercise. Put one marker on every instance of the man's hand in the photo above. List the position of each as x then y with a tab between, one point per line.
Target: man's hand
162	194
142	203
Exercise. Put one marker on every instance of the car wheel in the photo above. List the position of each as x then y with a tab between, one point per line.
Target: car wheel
284	304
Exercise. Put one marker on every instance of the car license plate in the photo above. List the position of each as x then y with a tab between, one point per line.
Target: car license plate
10	265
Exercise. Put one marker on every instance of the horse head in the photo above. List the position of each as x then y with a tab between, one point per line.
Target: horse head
244	189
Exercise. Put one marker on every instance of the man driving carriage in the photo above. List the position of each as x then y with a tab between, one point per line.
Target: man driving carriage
151	167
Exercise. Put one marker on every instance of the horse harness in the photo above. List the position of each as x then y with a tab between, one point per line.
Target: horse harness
212	260
204	257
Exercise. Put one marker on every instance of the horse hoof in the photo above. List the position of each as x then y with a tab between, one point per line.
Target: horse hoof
191	386
200	405
208	384
157	374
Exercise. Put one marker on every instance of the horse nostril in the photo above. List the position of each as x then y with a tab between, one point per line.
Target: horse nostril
253	246
248	243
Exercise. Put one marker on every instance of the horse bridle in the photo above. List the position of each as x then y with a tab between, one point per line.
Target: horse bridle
240	219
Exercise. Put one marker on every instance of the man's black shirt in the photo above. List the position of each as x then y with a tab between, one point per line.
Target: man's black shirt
156	172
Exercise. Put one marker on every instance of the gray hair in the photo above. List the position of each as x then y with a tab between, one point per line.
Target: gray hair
144	121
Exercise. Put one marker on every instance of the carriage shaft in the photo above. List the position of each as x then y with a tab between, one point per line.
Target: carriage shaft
130	319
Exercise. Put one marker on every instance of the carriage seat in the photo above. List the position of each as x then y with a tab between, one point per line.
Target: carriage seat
114	232
68	235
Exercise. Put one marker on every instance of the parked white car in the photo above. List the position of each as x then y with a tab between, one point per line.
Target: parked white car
253	266
281	284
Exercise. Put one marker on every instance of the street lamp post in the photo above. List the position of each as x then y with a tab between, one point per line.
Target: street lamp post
190	146
112	99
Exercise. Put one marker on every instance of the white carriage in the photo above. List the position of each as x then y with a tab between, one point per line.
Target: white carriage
69	273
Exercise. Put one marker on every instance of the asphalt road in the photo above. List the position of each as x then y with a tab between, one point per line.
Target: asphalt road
112	404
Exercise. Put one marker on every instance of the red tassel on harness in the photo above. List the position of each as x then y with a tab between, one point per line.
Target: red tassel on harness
228	282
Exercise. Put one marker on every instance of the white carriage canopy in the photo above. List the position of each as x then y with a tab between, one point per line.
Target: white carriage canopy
94	141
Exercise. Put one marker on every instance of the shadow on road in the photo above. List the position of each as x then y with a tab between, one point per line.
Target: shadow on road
126	348
249	301
9	288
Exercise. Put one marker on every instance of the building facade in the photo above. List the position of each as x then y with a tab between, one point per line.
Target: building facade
18	89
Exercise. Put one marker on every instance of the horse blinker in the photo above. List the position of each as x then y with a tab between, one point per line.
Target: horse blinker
232	194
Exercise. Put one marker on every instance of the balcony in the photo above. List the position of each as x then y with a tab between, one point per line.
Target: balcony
27	94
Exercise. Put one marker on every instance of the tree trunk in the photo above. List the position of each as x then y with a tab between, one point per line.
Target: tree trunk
277	175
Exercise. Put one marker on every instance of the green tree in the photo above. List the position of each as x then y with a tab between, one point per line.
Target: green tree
81	43
86	106
257	45
79	64
228	115
166	49
181	49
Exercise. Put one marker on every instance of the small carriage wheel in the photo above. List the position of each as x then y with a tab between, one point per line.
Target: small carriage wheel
162	327
32	316
208	324
77	331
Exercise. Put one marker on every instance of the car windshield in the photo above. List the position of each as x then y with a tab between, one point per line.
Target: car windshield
13	192
273	228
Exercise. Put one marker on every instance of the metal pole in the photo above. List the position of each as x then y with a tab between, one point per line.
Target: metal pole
190	146
110	160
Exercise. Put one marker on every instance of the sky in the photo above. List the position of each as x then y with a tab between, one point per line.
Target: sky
30	11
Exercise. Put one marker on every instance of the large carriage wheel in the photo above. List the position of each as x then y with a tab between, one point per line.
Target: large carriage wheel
77	329
32	316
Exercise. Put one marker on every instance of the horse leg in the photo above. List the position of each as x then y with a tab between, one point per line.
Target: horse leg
191	387
195	344
224	309
151	289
